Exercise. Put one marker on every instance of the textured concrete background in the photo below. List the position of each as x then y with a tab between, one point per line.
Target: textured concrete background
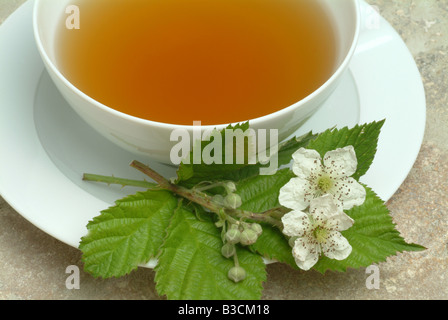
32	264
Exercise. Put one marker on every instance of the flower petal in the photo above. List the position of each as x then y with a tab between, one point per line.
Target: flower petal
337	247
296	223
306	163
306	253
340	222
323	208
341	162
351	193
328	214
296	194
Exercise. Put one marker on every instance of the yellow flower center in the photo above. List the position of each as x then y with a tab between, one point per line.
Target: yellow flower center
324	183
321	234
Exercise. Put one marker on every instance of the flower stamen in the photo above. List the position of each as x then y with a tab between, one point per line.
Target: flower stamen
321	234
324	183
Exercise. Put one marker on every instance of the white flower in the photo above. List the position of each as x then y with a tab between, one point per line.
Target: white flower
318	232
316	178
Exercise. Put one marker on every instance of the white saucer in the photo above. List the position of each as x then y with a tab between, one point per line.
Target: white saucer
45	147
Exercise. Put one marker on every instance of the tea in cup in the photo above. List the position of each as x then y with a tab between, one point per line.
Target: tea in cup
136	70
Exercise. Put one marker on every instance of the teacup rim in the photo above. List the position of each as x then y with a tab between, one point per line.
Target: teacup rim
335	75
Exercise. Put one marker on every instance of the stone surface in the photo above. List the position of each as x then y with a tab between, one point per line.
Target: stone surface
33	264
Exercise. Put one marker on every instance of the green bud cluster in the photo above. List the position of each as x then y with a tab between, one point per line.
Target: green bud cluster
234	232
231	200
243	233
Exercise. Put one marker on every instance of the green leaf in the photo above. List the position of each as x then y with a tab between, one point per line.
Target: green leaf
191	174
127	234
287	148
273	245
364	138
260	193
373	237
191	266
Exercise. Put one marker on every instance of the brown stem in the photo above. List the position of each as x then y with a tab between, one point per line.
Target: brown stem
259	217
197	197
206	201
277	213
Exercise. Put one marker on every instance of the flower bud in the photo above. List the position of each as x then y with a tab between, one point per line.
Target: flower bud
218	199
256	228
228	250
233	201
248	237
233	236
230	186
237	274
219	223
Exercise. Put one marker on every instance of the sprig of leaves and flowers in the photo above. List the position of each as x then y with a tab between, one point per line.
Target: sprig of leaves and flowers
212	228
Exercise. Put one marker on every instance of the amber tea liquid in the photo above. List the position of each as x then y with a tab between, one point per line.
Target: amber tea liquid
214	61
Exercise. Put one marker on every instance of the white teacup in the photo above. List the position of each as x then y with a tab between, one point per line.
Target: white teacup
152	139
